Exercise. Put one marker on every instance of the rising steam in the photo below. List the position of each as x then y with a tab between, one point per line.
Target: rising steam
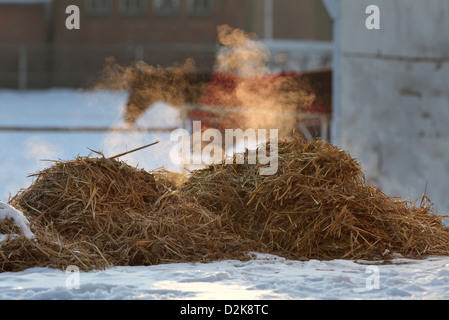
268	101
242	79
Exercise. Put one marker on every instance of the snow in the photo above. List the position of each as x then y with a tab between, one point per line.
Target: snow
265	277
8	212
262	277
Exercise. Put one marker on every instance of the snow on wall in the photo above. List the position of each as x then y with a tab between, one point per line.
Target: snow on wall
394	95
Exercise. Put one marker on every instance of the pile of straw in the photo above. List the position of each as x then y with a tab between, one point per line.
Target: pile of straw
98	212
318	205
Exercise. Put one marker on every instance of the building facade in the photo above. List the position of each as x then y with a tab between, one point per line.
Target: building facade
38	51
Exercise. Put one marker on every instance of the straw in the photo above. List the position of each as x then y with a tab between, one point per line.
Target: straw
318	205
100	212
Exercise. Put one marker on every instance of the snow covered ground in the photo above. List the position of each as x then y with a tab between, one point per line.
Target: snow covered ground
262	277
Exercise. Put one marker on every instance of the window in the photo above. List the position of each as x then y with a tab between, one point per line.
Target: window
166	7
133	7
99	7
200	7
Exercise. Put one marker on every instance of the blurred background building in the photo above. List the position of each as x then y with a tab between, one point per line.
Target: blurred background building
38	51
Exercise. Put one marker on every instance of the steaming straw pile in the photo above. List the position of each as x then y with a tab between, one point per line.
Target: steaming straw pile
98	212
318	205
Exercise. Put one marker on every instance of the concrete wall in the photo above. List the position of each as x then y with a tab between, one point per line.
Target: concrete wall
393	99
